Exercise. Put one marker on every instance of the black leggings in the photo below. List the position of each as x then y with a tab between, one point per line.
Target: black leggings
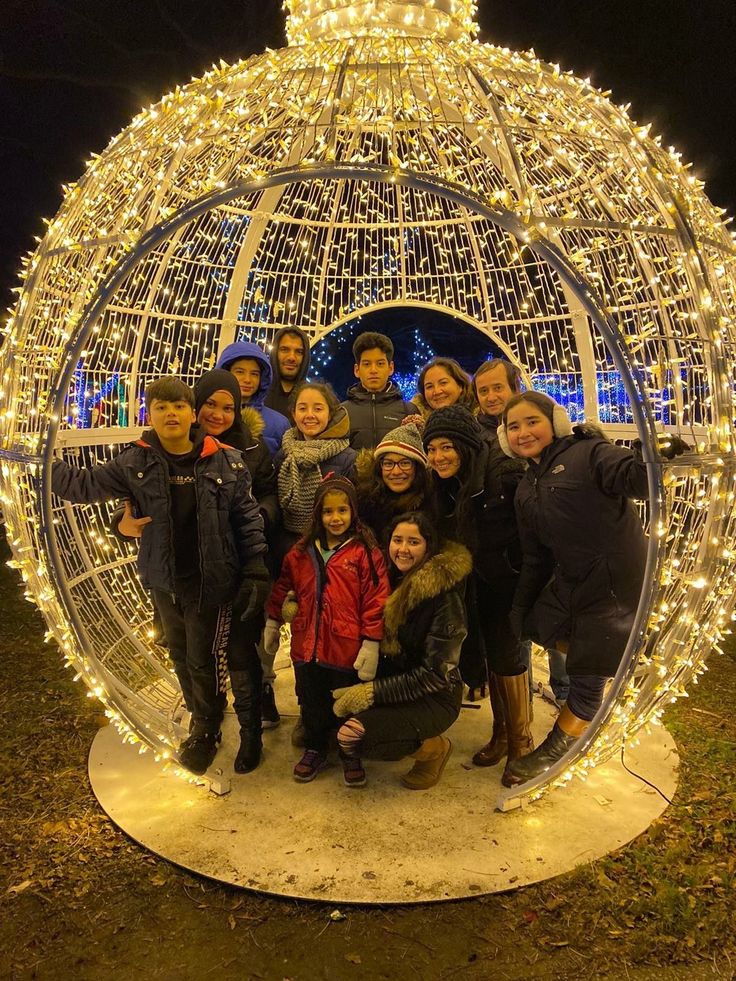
395	731
315	684
503	652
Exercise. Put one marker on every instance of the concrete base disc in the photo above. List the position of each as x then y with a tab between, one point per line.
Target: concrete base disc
379	843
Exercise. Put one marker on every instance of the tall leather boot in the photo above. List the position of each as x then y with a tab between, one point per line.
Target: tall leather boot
565	733
430	760
515	695
495	750
247	704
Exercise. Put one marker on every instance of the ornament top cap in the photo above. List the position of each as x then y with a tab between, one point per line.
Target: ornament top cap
322	20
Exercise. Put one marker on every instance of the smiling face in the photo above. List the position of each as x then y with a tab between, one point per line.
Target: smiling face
217	413
337	516
440	388
373	370
290	356
407	547
528	431
493	391
248	373
171	422
397	472
311	413
443	458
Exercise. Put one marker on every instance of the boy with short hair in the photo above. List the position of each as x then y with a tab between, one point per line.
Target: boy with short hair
201	553
374	405
252	367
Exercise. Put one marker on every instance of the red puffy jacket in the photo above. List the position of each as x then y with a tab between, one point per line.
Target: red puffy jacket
340	602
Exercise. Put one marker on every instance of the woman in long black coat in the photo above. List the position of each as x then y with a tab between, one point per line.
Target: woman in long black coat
584	555
475	484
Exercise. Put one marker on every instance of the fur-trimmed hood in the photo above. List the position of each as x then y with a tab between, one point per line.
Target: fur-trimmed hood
441	573
364	466
253	419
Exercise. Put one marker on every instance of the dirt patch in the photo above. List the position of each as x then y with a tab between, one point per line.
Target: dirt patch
80	900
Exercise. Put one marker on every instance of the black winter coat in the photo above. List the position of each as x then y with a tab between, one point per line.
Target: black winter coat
424	627
491	534
259	461
578	526
230	527
373	414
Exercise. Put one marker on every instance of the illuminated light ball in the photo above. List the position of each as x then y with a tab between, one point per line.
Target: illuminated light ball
384	158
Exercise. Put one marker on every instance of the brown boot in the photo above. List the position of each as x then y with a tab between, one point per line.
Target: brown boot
515	694
430	761
570	724
495	750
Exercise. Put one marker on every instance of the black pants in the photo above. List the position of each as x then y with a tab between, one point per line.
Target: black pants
315	684
395	731
585	695
198	645
246	673
502	650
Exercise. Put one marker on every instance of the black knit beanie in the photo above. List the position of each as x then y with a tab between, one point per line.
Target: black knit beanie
455	423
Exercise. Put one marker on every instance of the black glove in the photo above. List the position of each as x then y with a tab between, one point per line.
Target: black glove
670	445
254	590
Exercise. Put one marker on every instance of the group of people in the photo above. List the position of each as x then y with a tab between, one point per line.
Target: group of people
412	547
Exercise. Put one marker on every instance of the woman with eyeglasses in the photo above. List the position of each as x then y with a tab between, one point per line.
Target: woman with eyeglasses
394	479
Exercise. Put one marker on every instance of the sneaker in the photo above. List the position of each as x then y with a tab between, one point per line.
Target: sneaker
309	766
198	751
352	771
270	717
298	734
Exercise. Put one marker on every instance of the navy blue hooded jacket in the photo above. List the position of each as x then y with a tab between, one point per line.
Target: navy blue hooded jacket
275	424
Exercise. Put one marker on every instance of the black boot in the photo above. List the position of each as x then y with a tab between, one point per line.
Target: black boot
249	754
198	751
247	703
552	749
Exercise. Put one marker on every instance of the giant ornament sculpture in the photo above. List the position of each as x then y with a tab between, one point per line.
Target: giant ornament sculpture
384	158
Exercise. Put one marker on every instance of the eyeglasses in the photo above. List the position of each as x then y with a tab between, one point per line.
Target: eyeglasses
403	465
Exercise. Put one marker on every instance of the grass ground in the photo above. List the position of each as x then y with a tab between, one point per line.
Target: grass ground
79	900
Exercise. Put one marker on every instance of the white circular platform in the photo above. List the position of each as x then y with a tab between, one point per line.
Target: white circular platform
380	843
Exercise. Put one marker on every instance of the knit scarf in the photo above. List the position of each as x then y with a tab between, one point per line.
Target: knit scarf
300	476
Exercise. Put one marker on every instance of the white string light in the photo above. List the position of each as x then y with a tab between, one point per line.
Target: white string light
405	89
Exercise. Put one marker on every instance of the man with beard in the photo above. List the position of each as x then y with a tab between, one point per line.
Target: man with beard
290	363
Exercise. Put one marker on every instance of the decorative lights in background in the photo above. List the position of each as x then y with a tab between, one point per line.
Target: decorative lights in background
295	238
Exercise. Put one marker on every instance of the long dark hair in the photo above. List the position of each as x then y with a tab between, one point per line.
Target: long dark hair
357	529
375	494
428	531
463	500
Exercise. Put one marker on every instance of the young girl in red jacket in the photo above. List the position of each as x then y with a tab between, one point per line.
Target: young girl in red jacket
339	579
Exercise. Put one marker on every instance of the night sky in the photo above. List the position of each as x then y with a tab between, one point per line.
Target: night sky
74	72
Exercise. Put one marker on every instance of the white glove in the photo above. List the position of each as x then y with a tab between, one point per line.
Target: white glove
271	637
366	663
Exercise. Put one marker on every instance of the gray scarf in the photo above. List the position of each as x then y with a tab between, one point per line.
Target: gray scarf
300	476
